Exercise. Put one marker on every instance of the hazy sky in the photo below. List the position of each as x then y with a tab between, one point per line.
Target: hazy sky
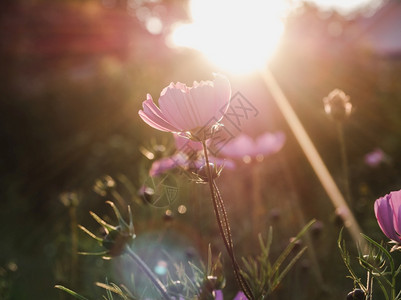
344	5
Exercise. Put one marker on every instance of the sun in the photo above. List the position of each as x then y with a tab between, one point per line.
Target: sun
237	36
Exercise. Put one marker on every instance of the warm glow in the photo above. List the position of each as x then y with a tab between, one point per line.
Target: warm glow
345	6
237	36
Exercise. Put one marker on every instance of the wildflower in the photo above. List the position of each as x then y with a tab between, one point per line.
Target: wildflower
374	158
337	105
243	146
387	211
191	111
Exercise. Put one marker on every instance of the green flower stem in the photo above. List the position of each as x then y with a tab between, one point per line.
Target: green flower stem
257	207
369	286
74	243
393	287
224	227
344	162
158	284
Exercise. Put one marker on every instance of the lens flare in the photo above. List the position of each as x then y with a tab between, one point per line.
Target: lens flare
237	36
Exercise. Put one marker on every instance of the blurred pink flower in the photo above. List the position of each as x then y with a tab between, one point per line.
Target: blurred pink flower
240	296
189	109
219	295
374	158
243	145
188	156
388	215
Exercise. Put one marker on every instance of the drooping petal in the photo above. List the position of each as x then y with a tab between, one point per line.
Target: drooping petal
152	115
395	202
384	216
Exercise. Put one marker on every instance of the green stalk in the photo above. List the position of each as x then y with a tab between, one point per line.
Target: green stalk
393	287
224	227
344	162
158	284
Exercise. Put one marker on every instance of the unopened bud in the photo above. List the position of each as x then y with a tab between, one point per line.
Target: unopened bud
356	294
337	105
115	241
203	172
176	287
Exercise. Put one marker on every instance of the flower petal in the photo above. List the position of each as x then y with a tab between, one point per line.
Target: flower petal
173	103
384	216
152	115
240	296
395	202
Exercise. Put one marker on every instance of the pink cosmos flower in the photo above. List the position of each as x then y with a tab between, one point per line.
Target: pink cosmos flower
185	109
388	215
243	145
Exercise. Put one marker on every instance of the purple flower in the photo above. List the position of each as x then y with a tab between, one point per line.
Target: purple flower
218	295
244	146
388	215
240	296
185	109
375	157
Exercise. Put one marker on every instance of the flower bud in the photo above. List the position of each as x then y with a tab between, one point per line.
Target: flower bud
176	287
356	294
103	185
203	172
211	283
146	193
337	105
316	229
115	241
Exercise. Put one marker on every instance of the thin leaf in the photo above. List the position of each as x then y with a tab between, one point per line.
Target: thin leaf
102	222
289	248
72	293
290	265
93	253
385	252
209	261
92	235
268	242
118	214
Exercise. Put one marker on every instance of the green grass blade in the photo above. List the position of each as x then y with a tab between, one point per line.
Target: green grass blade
72	293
